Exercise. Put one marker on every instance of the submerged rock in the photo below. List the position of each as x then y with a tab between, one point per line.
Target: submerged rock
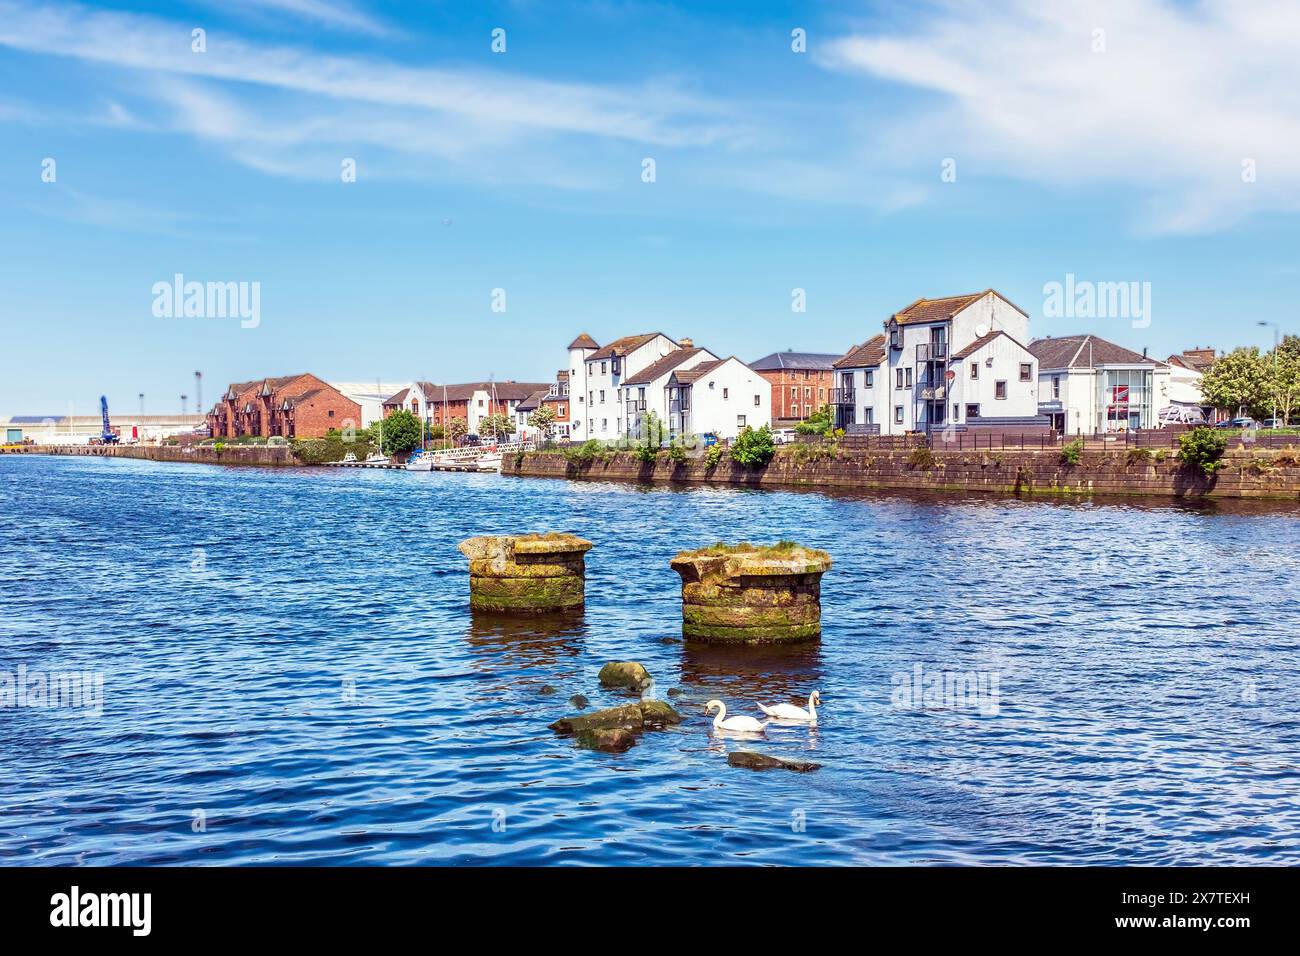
656	714
614	741
644	715
580	702
547	689
624	674
753	760
627	717
675	692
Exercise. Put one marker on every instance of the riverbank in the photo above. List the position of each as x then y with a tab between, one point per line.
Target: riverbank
264	455
1244	474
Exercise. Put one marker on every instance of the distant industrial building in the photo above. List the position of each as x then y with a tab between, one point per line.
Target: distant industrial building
81	429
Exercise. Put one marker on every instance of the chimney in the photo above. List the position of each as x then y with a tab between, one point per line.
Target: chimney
687	343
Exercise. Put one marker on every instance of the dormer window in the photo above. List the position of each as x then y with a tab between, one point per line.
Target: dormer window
895	335
613	366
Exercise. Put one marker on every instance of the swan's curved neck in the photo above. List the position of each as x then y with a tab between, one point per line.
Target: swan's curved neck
722	714
812	711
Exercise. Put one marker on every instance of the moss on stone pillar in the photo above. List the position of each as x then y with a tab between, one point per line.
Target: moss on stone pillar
526	574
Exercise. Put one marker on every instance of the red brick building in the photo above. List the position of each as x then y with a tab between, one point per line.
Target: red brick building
471	402
801	383
288	406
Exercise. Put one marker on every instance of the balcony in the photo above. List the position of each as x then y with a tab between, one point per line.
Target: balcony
932	352
843	396
636	406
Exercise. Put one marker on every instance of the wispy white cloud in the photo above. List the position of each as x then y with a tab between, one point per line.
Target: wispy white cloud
1170	99
651	113
336	14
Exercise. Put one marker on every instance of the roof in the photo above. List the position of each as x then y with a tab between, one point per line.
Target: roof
584	341
620	347
1196	359
797	360
690	375
941	310
533	401
867	355
1083	351
663	366
507	391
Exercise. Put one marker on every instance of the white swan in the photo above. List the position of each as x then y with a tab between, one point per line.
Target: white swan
791	712
747	725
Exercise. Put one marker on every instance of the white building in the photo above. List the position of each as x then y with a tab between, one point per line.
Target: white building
1089	385
720	397
1186	370
81	429
370	396
612	388
954	360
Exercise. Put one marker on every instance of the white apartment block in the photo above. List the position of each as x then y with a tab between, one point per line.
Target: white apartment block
940	362
612	388
1089	385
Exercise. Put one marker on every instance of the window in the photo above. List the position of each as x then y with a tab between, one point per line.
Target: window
807	410
331	414
869	378
972	411
1056	386
740	421
794	391
591	398
758	400
871	416
724	394
563	411
602	396
956	412
1026	370
602	368
640	393
604	424
974	370
821	394
480	403
898	378
807	393
909	376
1000	390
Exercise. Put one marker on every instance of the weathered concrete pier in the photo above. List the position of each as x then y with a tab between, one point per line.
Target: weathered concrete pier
526	574
748	594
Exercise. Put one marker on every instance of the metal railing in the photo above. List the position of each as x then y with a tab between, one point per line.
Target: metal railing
843	396
932	352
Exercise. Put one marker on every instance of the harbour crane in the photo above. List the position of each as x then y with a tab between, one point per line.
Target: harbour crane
108	435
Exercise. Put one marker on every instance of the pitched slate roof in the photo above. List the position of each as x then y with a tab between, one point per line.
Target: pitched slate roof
816	361
584	341
620	347
1083	351
867	355
533	401
980	342
507	391
940	310
1196	359
663	366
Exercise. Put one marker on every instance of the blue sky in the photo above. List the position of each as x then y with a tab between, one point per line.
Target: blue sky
1113	156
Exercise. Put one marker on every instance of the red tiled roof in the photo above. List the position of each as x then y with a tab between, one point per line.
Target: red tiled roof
691	375
940	310
662	367
980	342
867	355
584	341
620	347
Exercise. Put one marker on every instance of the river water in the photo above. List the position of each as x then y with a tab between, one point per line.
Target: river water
290	675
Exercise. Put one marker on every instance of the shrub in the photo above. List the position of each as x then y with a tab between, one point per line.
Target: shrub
754	449
1139	456
1202	448
921	457
1072	453
713	457
820	422
677	453
584	452
1161	455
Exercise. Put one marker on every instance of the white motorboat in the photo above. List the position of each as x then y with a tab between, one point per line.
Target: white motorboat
376	458
420	461
349	459
490	461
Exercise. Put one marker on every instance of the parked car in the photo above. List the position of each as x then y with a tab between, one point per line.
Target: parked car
1179	415
782	436
471	440
1272	423
1238	423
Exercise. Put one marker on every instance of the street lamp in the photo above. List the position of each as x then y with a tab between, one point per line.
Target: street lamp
1277	332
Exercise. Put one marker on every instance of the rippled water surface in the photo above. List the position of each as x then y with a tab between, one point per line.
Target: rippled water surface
291	675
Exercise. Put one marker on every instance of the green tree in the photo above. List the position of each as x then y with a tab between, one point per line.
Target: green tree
1238	380
496	425
401	431
542	419
1202	448
456	429
820	422
1284	382
753	449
